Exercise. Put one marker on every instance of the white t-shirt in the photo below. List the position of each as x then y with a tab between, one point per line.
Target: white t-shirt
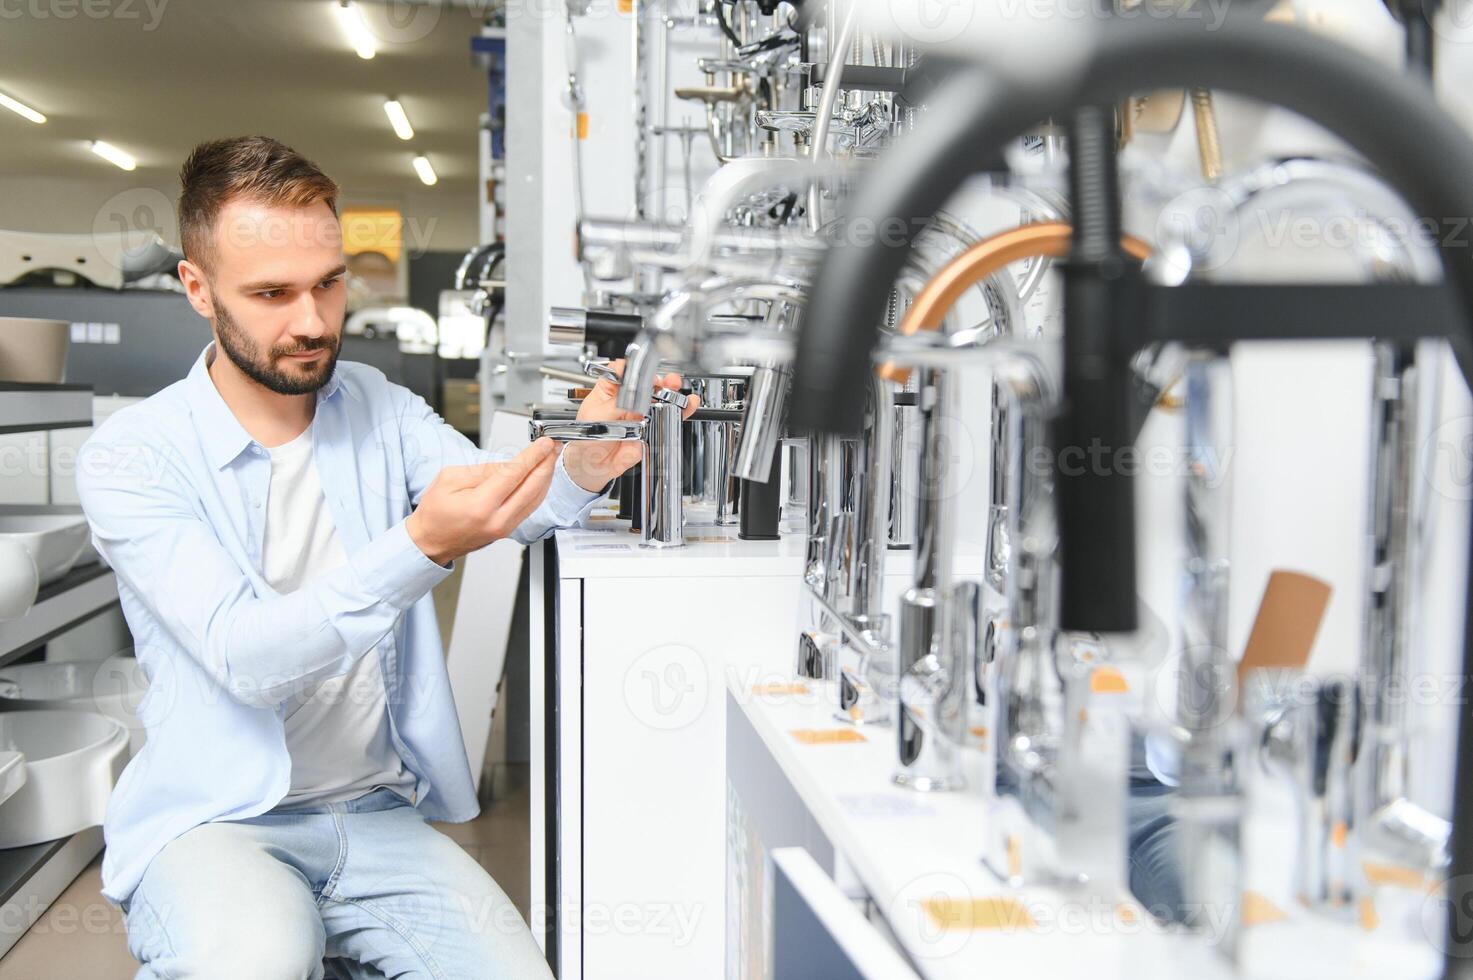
337	731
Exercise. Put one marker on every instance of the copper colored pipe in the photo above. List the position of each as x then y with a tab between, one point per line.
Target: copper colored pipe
1044	239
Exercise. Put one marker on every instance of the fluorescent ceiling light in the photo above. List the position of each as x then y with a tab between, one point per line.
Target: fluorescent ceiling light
357	30
397	118
21	109
425	171
113	155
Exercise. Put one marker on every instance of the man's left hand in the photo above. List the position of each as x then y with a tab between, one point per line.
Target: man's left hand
593	464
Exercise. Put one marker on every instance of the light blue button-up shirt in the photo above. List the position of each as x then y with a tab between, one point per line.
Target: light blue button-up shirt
175	491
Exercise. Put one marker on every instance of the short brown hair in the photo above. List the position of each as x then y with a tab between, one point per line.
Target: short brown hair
254	167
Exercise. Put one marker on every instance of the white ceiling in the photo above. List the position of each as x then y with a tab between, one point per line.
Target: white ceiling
154	77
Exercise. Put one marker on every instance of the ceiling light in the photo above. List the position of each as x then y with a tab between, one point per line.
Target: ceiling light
112	155
21	109
357	30
397	118
425	171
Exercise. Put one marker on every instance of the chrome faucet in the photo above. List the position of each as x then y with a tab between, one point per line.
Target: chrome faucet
933	690
1312	742
1059	756
763	413
713	480
662	519
1210	802
1392	825
868	684
830	469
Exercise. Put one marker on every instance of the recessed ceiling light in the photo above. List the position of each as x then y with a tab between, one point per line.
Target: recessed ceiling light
425	171
359	36
113	155
21	109
398	119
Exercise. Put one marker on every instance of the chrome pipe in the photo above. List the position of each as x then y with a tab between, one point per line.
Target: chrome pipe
664	518
904	459
761	425
763	414
1210	794
872	517
567	325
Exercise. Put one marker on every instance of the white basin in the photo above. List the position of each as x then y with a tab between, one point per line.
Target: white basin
54	540
113	687
73	759
88	553
12	773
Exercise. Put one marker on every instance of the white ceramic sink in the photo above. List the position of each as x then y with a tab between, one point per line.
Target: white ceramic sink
73	759
12	773
88	553
54	540
113	687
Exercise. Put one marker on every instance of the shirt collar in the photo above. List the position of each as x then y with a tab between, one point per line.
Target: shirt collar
223	435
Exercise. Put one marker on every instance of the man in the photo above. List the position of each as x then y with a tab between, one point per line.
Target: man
276	521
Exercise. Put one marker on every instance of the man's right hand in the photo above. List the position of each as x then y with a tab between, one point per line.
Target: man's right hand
467	507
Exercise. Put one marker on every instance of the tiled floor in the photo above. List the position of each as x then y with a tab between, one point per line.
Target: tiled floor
81	936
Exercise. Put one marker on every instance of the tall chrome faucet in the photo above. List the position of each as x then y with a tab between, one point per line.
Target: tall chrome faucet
663	517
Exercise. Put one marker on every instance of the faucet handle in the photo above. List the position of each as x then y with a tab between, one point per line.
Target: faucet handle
672	397
565	430
600	371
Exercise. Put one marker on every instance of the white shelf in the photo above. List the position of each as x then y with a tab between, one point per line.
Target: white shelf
34	407
31	878
84	591
907	848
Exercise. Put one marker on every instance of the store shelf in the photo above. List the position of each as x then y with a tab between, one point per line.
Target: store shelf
34	407
84	591
32	877
907	850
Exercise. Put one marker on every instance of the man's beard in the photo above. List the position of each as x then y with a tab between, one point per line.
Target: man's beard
245	353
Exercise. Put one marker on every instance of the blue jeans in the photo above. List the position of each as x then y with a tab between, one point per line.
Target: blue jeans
353	890
1154	850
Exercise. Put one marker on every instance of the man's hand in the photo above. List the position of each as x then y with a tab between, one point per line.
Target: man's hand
467	507
593	464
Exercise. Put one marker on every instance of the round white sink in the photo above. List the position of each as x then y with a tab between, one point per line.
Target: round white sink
113	687
73	758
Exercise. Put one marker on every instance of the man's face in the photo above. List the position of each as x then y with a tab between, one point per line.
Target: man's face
276	293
